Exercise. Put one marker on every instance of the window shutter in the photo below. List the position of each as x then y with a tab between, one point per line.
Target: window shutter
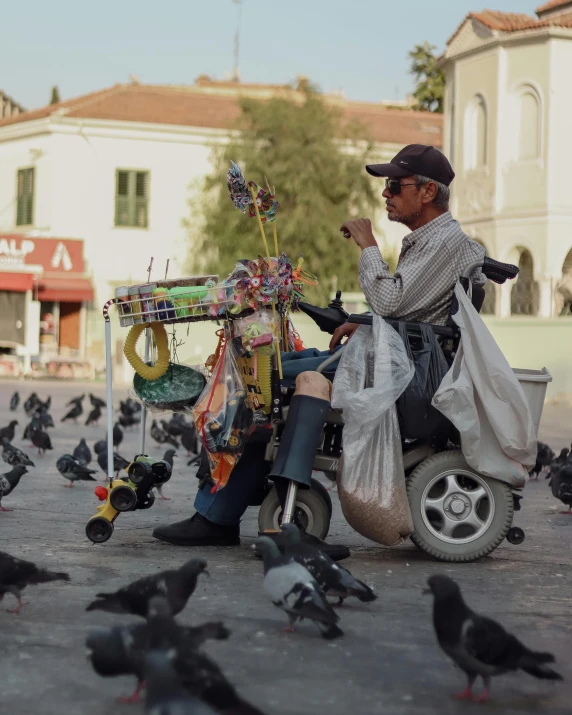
29	197
141	192
20	204
25	197
122	217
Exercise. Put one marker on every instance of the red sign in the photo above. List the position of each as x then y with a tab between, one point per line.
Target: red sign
55	255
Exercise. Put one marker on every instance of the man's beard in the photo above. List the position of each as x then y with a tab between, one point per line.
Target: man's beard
406	219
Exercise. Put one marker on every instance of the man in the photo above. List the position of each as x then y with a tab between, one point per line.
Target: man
432	258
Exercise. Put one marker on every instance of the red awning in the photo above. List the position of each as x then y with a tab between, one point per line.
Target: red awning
19	282
65	290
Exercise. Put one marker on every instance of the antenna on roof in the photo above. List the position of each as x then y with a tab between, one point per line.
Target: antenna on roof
134	79
235	72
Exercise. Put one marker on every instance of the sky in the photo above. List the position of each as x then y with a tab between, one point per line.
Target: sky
357	46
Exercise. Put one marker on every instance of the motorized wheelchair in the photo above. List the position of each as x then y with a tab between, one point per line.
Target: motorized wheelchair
458	515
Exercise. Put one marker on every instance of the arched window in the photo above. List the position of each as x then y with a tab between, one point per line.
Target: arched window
524	294
528	125
563	291
476	130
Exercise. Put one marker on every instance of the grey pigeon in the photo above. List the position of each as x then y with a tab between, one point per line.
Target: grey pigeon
74	413
119	462
97	401
41	440
176	585
32	427
16	574
162	437
334	580
9	431
31	404
127	421
479	645
76	400
189	440
165	692
44	418
82	452
121	650
14	401
544	457
561	486
557	463
168	457
100	446
293	589
73	470
9	481
117	435
94	416
13	456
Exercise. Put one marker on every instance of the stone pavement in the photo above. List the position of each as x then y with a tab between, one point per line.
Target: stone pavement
388	661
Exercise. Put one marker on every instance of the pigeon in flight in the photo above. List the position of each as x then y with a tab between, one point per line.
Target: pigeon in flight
97	401
16	574
176	585
333	579
293	589
479	645
74	413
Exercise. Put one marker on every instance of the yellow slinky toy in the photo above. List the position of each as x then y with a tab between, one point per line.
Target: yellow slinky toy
162	363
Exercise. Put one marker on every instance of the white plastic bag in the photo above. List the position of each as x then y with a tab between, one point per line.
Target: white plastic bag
371	481
482	397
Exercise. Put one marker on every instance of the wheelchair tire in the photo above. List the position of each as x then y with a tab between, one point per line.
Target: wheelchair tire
313	510
123	498
458	515
98	530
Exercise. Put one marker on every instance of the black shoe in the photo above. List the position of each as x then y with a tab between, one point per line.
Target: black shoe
337	552
198	531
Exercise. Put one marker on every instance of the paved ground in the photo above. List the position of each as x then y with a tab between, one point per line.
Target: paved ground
388	661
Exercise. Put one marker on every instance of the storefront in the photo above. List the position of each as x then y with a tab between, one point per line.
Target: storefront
43	296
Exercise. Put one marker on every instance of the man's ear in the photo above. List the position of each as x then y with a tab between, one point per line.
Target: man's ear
429	191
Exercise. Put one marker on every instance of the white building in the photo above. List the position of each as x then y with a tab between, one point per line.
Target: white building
507	131
115	168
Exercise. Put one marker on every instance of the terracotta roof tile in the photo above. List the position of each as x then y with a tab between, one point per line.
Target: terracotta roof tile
513	21
189	106
552	5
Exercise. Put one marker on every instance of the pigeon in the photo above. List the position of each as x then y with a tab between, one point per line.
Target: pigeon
44	405
31	404
44	418
75	471
16	574
119	462
167	457
121	650
189	440
74	413
93	417
82	452
14	401
75	400
9	431
127	420
162	437
99	446
165	693
42	441
97	401
9	481
174	427
31	427
177	585
544	457
560	461
13	456
561	486
479	645
333	579
117	435
293	589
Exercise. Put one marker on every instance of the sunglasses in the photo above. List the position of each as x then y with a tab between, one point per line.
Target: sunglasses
394	186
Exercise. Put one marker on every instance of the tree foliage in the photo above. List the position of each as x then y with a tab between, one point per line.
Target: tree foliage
430	88
319	180
55	95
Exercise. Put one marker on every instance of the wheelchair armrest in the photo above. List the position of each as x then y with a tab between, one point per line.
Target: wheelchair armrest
443	330
499	272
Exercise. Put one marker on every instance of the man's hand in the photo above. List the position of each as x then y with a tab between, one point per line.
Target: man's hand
345	330
360	230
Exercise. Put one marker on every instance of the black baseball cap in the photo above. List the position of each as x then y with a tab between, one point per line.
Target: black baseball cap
416	159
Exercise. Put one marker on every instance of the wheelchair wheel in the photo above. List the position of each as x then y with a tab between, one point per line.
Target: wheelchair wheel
313	510
458	515
98	530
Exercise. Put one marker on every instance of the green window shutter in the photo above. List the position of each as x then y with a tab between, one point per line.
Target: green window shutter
25	197
131	198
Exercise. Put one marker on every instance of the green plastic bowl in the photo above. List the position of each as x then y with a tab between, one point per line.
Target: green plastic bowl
177	390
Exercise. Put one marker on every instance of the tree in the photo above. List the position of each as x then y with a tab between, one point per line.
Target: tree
316	165
430	88
55	95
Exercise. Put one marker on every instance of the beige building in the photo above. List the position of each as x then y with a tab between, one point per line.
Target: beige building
507	131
